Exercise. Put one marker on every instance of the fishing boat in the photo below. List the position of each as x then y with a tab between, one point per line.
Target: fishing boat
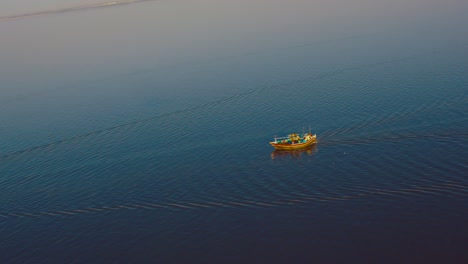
295	153
294	141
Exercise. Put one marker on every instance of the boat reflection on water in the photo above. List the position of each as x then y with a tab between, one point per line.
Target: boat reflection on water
297	153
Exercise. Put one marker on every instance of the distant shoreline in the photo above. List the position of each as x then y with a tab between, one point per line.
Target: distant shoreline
72	9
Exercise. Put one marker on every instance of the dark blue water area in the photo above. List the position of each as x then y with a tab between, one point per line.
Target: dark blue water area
168	161
300	233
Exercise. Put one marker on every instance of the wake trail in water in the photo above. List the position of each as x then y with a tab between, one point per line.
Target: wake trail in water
391	138
73	9
393	117
293	198
217	102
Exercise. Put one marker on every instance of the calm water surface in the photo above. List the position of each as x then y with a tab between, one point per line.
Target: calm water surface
139	133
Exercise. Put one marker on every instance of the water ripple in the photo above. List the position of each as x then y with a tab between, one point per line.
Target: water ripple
293	198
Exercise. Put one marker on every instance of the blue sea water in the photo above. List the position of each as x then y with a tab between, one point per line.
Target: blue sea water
140	133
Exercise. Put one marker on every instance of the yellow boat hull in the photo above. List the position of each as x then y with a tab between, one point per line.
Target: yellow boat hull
286	146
